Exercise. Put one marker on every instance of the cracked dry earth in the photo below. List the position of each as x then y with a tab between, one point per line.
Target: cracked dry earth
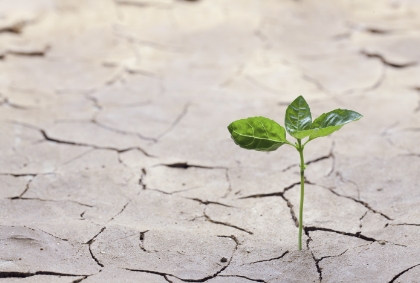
116	164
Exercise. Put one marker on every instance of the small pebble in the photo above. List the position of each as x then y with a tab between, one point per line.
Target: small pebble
223	259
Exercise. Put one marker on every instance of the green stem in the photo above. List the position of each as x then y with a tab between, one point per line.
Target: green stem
302	191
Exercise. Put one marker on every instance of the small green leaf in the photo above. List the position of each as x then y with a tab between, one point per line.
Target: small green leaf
332	121
257	133
298	119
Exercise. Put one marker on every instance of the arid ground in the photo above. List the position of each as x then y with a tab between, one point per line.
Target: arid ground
116	164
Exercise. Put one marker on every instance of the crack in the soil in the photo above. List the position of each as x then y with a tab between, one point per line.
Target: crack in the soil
95	102
411	154
175	192
375	30
93	146
141	180
402	272
330	155
407	150
111	129
417	109
328	256
94	237
17	274
341	36
165	275
270	259
282	195
20	175
244	277
385	61
355	235
225	224
316	261
318	268
365	204
123	208
292	212
80	156
16	27
317	159
80	280
90	242
315	82
361	218
142	4
28	53
207	202
229	189
52	200
275	194
176	121
142	238
233	237
49	139
258	33
374	86
13	105
387	129
26	188
121	211
405	224
413	129
185	165
37	229
232	77
344	180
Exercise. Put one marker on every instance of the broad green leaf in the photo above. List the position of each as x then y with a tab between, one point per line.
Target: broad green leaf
257	133
332	121
298	119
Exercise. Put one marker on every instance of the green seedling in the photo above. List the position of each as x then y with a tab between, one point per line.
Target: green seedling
263	134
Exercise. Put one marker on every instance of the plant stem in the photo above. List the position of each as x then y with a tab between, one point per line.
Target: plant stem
302	192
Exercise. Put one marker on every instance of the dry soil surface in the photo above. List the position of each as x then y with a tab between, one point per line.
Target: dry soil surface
116	164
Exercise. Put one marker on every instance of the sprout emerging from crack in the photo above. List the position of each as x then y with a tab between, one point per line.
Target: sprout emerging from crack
263	134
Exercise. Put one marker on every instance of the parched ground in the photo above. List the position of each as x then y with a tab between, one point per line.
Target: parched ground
116	164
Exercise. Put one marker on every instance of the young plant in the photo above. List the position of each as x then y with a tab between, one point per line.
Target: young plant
263	134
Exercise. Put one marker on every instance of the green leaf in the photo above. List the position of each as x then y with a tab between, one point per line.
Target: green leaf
332	121
298	119
257	133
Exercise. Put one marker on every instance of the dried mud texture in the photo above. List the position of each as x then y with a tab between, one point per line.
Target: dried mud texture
116	164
